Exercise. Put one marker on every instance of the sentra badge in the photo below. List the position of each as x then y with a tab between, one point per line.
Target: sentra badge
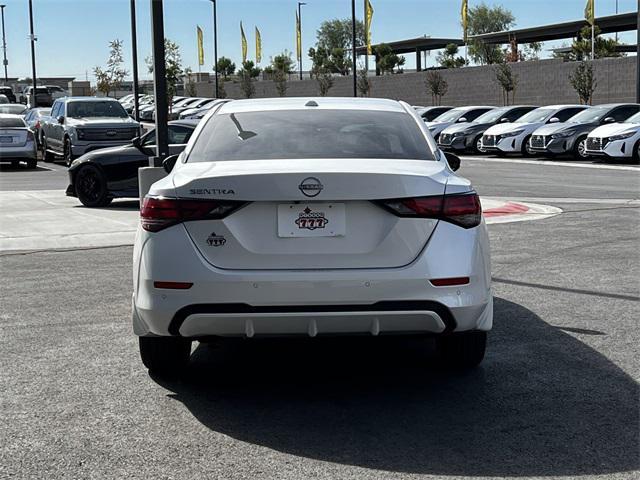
310	220
211	191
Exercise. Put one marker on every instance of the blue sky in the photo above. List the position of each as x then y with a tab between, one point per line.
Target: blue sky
73	35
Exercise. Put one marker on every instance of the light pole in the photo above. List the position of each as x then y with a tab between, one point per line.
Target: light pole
134	57
353	46
300	32
160	84
215	43
4	48
33	101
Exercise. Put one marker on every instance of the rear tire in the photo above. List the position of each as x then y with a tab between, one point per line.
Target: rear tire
91	187
636	152
32	163
68	153
462	350
47	156
165	355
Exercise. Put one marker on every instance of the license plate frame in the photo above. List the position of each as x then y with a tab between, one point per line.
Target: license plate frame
311	220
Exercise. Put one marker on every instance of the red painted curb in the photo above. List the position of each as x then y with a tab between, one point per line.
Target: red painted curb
508	208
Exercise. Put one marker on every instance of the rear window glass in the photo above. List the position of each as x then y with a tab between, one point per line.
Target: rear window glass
11	122
291	134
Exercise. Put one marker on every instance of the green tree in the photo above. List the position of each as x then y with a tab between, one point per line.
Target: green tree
583	82
437	86
279	69
247	74
508	81
325	81
110	78
362	83
225	67
332	51
189	85
172	65
603	47
485	19
387	60
448	59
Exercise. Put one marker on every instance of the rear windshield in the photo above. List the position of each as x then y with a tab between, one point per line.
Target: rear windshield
11	123
291	134
13	109
96	109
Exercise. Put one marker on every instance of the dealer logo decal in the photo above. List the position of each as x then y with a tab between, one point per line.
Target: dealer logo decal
310	220
216	240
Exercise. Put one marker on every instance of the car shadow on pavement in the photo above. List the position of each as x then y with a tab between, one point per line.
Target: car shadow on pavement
543	403
117	205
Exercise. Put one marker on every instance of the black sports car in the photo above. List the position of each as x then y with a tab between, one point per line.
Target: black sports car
99	176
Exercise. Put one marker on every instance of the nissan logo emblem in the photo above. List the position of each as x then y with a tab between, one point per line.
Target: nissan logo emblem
310	187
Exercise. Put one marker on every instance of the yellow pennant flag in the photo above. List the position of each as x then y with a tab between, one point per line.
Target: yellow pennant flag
244	44
258	46
464	13
200	47
368	16
298	37
590	12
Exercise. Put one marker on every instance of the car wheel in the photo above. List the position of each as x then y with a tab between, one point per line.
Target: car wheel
477	145
636	152
91	187
165	355
68	154
32	163
46	155
461	350
580	149
526	149
14	163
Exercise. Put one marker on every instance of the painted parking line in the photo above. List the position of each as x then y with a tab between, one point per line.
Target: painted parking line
554	163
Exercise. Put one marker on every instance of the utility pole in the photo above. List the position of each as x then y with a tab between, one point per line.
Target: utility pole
215	44
33	101
366	39
300	28
134	57
4	48
638	57
160	84
353	46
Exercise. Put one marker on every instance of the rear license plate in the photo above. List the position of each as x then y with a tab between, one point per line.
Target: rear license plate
4	139
311	220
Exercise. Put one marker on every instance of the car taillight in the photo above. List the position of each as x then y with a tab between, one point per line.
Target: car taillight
159	213
30	137
460	209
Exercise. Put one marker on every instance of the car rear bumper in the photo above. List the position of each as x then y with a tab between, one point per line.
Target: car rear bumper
312	302
27	152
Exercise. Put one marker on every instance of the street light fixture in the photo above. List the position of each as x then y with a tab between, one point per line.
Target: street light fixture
4	48
215	44
300	27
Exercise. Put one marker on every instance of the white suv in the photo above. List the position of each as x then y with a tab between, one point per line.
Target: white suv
311	217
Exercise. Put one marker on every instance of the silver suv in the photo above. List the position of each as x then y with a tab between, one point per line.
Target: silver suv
81	124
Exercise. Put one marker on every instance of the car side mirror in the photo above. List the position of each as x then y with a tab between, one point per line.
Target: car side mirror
170	162
453	160
462	120
504	120
554	120
60	119
609	120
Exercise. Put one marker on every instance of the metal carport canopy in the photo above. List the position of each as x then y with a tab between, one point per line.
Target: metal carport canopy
416	44
622	22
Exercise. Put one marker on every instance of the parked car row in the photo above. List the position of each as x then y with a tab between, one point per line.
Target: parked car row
609	130
181	107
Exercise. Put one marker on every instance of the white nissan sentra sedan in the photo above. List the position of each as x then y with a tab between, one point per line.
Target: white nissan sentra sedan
311	217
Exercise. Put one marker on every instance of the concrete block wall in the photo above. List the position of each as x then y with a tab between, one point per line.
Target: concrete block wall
543	82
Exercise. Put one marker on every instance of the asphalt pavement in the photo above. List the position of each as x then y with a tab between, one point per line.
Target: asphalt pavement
557	395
